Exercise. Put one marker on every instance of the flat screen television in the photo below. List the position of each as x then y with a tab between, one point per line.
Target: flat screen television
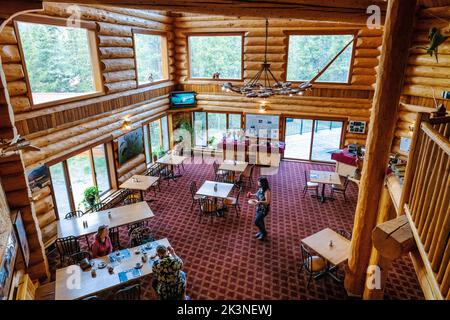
183	99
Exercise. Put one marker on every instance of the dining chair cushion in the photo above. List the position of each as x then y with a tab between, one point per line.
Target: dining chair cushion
312	184
317	263
208	207
229	201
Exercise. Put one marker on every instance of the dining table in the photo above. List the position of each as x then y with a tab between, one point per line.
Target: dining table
171	160
73	283
233	165
215	190
140	183
324	178
114	217
331	246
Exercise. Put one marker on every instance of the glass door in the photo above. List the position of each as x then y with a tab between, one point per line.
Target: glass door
298	138
312	139
327	139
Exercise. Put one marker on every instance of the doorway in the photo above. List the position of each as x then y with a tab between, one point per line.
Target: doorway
312	139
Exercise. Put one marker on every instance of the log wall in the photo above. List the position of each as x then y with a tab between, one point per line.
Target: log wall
347	101
61	129
424	74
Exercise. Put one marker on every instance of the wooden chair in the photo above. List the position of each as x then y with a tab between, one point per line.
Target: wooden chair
114	236
346	234
310	186
74	214
139	236
313	265
132	197
77	257
27	290
247	175
207	207
67	247
234	201
132	226
340	188
218	174
195	197
229	177
132	292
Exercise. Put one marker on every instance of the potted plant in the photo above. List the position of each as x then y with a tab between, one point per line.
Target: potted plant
91	197
157	153
211	141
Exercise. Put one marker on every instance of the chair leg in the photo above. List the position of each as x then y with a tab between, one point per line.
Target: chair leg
309	280
345	197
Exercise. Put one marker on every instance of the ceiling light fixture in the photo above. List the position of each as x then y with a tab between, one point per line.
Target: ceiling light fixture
264	84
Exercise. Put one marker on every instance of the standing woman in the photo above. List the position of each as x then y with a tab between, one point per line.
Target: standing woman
263	198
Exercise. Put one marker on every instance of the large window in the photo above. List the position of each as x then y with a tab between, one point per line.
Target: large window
308	54
310	139
209	54
156	138
151	57
61	62
210	128
72	176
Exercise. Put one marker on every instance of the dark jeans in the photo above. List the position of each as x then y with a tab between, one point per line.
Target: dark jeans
259	222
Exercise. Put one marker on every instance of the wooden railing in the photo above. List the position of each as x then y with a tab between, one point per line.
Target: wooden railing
426	202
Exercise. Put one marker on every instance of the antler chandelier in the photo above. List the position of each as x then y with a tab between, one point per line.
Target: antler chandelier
264	84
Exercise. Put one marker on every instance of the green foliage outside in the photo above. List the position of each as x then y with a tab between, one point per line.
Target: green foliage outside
148	57
209	54
91	197
308	54
57	58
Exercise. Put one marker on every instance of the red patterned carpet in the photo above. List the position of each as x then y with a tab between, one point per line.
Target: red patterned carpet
223	260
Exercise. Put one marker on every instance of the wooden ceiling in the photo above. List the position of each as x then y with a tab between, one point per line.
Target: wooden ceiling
345	11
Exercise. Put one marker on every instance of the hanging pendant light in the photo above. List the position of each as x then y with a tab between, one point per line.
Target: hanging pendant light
264	84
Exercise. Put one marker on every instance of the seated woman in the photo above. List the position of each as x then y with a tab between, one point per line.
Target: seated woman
102	245
169	281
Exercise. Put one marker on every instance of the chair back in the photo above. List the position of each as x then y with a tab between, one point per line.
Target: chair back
99	206
77	257
74	214
346	181
252	168
132	292
114	237
207	205
346	234
139	236
306	258
193	188
67	246
238	193
215	166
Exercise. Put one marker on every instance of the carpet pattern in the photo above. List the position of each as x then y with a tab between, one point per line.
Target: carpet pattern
222	258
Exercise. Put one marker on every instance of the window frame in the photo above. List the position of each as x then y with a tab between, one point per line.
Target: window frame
221	112
314	119
91	28
65	168
325	32
218	34
161	135
164	55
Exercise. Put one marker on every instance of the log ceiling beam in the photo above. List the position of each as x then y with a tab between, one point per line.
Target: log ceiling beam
344	11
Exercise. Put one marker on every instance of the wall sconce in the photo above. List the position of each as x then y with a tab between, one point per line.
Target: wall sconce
262	106
126	125
411	127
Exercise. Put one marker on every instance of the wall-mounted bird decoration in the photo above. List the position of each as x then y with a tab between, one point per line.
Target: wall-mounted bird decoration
16	144
436	38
